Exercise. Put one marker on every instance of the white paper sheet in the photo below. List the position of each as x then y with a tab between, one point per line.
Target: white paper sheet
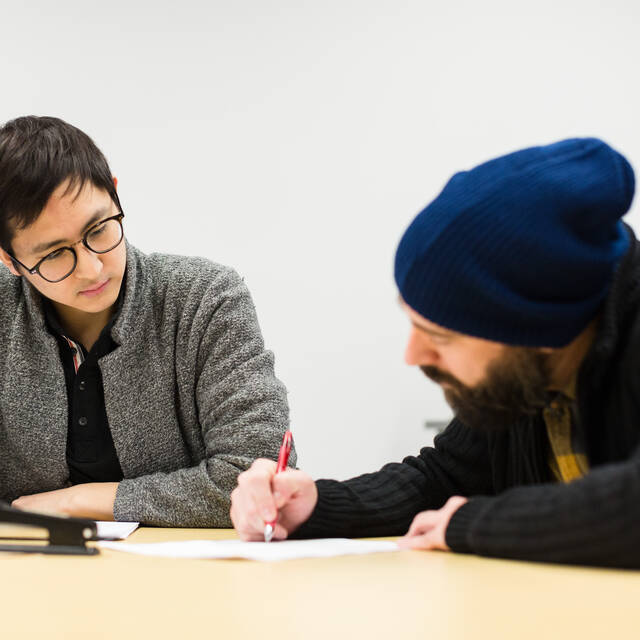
264	551
115	530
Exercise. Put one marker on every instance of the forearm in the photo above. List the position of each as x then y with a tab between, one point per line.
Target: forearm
192	497
592	521
384	503
375	504
93	500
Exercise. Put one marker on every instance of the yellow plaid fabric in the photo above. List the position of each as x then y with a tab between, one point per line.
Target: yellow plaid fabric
566	457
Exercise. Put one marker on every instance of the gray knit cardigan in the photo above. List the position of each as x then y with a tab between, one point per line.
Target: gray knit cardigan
190	392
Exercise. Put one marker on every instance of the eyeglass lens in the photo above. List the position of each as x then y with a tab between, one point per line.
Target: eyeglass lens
101	239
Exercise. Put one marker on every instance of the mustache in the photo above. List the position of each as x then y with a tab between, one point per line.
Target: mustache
433	373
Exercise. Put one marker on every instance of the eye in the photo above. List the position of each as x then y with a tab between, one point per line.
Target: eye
97	231
53	255
441	339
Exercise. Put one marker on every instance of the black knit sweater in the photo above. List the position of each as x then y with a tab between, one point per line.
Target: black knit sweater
515	509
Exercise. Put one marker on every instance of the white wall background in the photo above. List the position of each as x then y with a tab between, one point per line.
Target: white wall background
296	140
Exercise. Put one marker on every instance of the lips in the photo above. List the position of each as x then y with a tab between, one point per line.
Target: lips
96	289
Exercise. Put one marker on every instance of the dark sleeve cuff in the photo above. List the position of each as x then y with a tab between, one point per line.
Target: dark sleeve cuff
458	533
322	522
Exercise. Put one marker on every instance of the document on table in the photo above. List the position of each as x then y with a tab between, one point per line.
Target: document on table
264	551
115	530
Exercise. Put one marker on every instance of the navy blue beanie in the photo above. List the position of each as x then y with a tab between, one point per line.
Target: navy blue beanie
521	249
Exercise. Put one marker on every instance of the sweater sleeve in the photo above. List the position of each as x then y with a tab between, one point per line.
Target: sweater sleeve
241	409
591	521
385	502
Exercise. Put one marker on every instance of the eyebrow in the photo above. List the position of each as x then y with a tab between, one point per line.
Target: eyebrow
98	214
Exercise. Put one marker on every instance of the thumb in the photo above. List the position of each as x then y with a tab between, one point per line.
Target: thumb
286	486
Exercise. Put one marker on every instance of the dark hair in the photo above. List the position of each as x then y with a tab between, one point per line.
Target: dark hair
37	154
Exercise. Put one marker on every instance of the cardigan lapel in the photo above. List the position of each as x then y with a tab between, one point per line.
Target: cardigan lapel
139	383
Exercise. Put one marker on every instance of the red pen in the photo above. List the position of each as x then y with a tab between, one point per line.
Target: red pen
283	458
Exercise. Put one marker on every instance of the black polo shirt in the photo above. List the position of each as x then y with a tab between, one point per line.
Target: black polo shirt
91	454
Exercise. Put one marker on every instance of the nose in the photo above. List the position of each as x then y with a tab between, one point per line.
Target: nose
89	264
420	350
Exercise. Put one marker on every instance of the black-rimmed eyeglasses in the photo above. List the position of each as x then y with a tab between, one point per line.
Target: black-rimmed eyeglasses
102	237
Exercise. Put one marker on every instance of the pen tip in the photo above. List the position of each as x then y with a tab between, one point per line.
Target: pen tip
268	532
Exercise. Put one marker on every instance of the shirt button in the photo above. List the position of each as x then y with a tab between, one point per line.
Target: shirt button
82	385
82	421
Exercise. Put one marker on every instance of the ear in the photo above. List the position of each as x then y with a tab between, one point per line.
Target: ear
115	182
8	262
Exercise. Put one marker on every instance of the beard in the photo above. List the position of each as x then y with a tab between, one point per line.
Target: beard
514	386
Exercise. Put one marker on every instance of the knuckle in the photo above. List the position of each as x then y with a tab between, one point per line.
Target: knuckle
259	481
262	464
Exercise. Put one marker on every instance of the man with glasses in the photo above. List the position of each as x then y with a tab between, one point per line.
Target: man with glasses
132	386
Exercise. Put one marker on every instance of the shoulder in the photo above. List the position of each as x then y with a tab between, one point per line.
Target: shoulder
10	291
163	271
164	267
175	284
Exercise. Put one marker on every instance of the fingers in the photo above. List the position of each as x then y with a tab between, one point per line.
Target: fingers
48	502
279	533
423	542
423	533
246	521
252	501
287	485
256	484
428	529
422	523
264	496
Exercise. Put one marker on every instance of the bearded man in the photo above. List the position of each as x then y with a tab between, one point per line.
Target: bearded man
522	286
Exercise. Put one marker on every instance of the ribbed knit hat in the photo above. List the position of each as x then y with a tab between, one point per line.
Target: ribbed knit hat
521	249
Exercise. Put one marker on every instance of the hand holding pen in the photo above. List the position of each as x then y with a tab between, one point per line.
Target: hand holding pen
271	501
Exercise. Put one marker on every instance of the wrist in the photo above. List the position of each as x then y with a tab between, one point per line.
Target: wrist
94	500
458	532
